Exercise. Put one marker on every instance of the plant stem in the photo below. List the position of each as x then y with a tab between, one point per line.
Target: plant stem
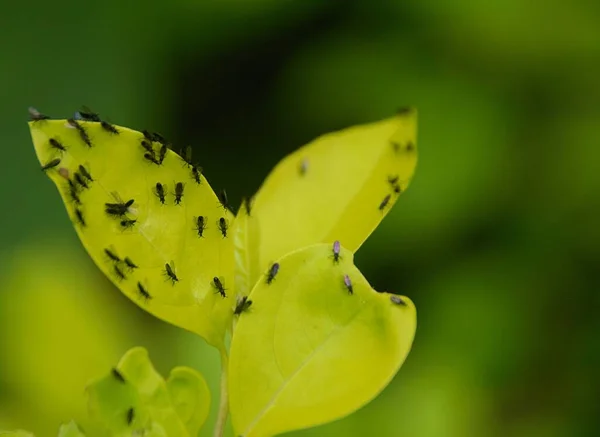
224	401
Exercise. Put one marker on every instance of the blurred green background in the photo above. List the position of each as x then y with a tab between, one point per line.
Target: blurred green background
497	240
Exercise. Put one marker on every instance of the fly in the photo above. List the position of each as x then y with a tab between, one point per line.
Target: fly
128	223
159	191
178	192
54	143
348	284
222	223
81	130
143	292
385	202
397	300
272	273
79	217
196	172
86	174
35	115
223	199
110	128
216	282
112	256
51	164
162	153
170	273
200	225
119	273
129	263
80	180
242	304
336	252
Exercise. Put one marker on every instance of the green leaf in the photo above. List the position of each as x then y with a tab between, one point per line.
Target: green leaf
246	239
190	397
70	429
134	397
308	351
150	235
338	187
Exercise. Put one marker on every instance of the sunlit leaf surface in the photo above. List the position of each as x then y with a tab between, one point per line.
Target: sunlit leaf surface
338	187
314	345
143	236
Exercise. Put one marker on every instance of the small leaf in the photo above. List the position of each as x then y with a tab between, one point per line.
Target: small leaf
190	397
314	347
133	397
70	429
143	236
246	238
338	187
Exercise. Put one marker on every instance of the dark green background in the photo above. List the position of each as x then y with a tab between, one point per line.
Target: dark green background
497	240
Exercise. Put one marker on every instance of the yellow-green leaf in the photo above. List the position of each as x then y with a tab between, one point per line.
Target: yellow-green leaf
246	240
338	187
133	397
309	350
149	235
190	397
70	429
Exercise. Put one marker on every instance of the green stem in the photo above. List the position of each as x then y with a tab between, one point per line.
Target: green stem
224	401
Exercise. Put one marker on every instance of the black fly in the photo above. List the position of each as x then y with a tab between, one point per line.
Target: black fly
247	205
272	272
112	256
51	164
223	199
200	225
109	127
143	292
74	192
82	132
385	202
35	115
150	157
80	180
161	154
129	263
196	172
128	223
147	147
118	209
242	304
119	272
79	216
159	191
54	143
130	416
222	223
216	282
170	273
86	174
87	114
178	192
186	155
